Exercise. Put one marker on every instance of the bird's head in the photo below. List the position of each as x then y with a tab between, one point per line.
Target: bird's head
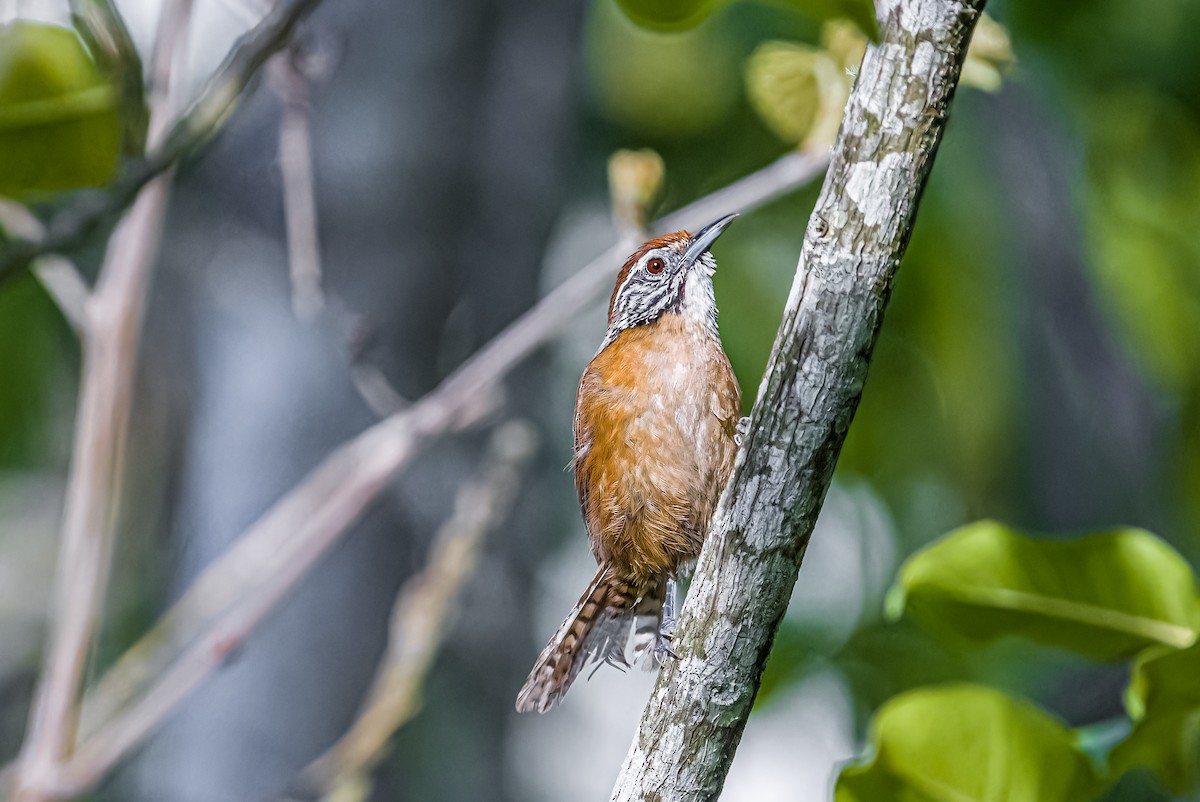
670	274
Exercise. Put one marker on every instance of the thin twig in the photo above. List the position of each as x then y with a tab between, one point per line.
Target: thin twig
290	74
237	589
420	619
111	325
376	391
57	275
65	286
16	221
299	197
92	209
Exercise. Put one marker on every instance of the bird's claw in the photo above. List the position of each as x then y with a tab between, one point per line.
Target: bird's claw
666	629
743	429
663	647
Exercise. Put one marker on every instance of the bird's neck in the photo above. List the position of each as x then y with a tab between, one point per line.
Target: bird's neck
698	303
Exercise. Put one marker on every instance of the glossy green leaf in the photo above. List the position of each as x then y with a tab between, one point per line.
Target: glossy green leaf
59	126
963	743
1107	595
1164	699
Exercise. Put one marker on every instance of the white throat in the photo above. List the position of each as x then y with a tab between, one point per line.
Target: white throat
699	303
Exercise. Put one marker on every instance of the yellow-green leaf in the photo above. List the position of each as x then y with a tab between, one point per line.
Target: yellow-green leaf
799	91
667	14
59	126
1107	595
989	57
968	743
1164	700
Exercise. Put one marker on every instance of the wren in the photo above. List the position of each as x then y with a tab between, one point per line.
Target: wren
656	420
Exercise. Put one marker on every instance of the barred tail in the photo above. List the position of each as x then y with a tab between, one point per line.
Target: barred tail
595	631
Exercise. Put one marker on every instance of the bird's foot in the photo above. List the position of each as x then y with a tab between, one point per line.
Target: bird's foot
743	429
664	648
666	630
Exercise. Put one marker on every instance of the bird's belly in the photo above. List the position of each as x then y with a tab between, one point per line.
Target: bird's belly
666	462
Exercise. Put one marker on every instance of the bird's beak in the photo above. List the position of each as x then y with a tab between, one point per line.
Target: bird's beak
704	240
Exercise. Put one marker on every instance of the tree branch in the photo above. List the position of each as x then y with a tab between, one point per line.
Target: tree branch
420	619
58	276
287	77
852	247
111	324
290	75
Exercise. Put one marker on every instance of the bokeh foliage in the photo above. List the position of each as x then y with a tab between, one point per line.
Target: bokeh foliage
943	433
1109	596
37	358
59	124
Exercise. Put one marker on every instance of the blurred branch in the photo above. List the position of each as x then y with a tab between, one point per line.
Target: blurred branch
289	80
111	323
17	222
376	390
61	280
420	619
290	73
57	275
372	385
89	210
240	587
852	248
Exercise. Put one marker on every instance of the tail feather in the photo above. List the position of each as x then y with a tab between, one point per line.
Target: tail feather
595	631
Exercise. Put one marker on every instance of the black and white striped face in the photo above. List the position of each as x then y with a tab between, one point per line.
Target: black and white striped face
653	285
671	274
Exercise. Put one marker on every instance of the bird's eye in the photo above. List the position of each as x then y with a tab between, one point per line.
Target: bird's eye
655	266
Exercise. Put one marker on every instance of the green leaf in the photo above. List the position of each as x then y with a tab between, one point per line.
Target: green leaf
883	660
105	35
1107	595
661	87
1164	699
667	15
989	56
860	12
36	370
59	126
962	743
798	91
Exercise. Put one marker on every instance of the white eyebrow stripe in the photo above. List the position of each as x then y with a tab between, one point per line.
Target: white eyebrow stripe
640	263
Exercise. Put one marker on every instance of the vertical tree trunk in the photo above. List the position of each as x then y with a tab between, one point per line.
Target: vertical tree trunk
852	247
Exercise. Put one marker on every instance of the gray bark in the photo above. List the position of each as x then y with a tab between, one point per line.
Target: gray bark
852	247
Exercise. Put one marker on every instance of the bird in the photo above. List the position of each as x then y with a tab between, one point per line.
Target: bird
656	426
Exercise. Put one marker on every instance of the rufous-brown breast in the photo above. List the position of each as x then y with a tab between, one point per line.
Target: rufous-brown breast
656	416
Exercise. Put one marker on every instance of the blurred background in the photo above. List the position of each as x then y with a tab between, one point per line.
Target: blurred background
1038	365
